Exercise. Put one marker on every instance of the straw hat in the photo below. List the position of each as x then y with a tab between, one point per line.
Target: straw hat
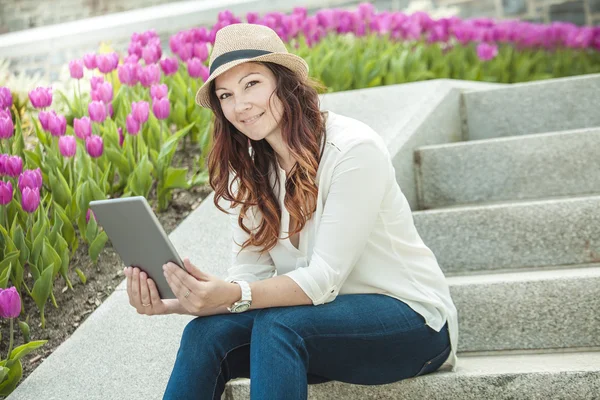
239	43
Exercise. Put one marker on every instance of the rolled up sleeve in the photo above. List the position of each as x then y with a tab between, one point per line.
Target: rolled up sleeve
358	186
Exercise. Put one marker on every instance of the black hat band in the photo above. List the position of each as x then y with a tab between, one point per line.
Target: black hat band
236	55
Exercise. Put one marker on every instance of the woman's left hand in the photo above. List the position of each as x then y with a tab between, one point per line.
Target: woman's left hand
208	294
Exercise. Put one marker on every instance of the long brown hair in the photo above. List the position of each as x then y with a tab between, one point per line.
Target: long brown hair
302	128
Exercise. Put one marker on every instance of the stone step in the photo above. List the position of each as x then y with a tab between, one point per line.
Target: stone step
550	309
533	107
524	167
523	234
490	377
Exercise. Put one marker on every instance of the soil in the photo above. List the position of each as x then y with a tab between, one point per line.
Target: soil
74	306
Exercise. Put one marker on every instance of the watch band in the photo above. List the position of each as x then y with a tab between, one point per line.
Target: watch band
244	303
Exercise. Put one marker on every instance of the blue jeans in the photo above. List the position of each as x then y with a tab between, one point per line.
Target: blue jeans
366	339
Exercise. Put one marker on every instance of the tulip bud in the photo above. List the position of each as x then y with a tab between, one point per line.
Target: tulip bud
5	98
159	91
132	126
97	111
150	75
88	215
89	60
161	108
82	127
57	124
6	193
105	63
10	303
67	146
169	65
76	69
13	166
41	97
30	199
140	111
31	178
94	146
6	124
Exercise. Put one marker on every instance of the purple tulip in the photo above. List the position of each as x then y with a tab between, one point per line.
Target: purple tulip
13	166
150	75
67	146
41	97
88	215
121	136
159	91
175	42
76	69
94	146
200	51
89	60
161	108
95	81
140	111
82	127
5	98
194	67
132	126
252	17
169	65
186	51
10	303
128	73
57	124
486	51
103	92
7	127
151	54
135	48
131	59
6	193
105	63
31	178
30	199
97	111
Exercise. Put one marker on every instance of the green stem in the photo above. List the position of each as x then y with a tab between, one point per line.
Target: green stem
160	136
10	345
96	170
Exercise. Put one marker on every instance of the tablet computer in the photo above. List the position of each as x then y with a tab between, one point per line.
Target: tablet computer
138	237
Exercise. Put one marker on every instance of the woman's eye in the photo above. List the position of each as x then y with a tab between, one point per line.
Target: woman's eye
226	94
221	96
251	82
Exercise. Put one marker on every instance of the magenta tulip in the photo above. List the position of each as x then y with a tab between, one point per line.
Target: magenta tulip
132	125
131	59
5	98
486	51
30	199
76	69
140	111
159	91
10	303
169	65
151	54
82	127
150	75
95	81
89	60
97	111
31	178
41	97
161	108
89	214
105	63
128	73
94	146
197	70
7	127
57	124
103	92
67	146
6	193
13	166
200	51
252	17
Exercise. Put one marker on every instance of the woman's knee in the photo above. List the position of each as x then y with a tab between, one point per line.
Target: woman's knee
215	329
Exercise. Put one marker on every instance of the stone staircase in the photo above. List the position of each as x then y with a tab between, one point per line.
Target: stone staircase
504	184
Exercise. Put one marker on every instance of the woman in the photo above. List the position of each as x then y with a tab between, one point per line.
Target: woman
330	279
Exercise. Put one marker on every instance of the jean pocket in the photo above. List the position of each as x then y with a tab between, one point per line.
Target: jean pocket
433	364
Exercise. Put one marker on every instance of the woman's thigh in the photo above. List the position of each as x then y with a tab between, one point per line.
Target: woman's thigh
364	338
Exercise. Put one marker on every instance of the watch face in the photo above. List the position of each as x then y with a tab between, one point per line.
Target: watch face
241	307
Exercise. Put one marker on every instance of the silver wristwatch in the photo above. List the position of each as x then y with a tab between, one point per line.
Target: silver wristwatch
244	303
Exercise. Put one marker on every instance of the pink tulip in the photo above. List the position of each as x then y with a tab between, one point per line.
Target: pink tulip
135	48
486	51
161	108
10	303
140	111
94	146
82	127
30	199
95	81
150	75
76	69
169	65
6	193
105	63
195	68
132	125
13	166
57	124
128	73
3	161
97	111
131	59
89	60
89	214
186	51
67	146
159	91
151	54
31	178
200	51
103	92
5	98
252	17
41	97
175	43
7	127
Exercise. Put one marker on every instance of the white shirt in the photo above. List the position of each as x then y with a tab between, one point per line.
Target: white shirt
361	238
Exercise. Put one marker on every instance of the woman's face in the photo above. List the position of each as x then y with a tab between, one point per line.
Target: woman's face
244	92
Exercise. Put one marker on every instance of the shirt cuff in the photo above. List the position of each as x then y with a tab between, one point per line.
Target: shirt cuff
318	280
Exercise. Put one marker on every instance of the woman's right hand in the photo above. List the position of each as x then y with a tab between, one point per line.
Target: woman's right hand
142	290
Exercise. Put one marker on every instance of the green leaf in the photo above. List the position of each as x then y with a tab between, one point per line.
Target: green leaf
119	160
140	181
24	331
19	352
5	275
91	231
19	240
81	275
51	257
168	149
12	379
97	246
42	287
176	179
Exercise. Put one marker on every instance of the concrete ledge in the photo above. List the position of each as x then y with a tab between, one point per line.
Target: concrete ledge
524	234
512	168
541	376
534	107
